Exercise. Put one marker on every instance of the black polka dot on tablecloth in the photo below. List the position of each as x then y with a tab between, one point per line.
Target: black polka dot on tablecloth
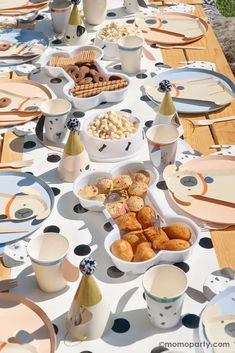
145	98
111	14
117	67
79	209
55	329
162	185
149	123
159	349
121	325
82	250
29	144
126	110
55	80
53	158
141	75
114	272
103	103
183	266
130	21
56	41
206	243
78	114
191	321
29	173
51	229
92	40
144	296
86	352
39	17
56	191
108	227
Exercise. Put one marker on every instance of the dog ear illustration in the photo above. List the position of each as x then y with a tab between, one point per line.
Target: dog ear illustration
43	215
29	190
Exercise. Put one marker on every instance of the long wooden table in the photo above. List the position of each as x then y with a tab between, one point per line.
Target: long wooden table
200	138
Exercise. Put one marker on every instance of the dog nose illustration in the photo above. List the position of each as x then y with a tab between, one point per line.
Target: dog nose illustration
23	213
230	329
58	134
188	181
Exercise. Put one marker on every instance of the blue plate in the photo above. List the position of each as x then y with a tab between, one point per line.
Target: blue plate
22	36
28	201
192	106
226	303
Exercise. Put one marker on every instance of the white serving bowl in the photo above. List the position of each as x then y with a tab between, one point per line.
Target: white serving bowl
115	150
163	256
59	71
90	178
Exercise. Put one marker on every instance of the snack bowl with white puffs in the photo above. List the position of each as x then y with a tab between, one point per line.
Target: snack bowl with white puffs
94	188
112	136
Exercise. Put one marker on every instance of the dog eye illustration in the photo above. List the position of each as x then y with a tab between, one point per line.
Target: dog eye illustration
188	181
230	329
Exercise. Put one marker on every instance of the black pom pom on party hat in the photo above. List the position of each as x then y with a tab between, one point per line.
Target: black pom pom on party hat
73	124
75	2
164	86
88	266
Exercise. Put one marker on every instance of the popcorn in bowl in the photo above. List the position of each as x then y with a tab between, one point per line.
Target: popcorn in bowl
112	126
113	31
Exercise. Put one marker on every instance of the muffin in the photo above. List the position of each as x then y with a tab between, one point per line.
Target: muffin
104	185
122	182
135	203
137	189
142	176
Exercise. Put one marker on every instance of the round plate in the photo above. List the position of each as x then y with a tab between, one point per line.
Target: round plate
35	322
37	41
152	36
208	211
38	198
223	305
192	106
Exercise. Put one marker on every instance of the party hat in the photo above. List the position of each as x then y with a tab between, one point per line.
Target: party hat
75	159
75	33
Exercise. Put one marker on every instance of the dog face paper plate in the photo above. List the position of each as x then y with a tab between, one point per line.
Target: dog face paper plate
217	324
25	202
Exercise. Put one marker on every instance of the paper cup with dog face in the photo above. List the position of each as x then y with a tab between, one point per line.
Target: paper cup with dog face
48	253
164	287
60	12
56	113
130	49
162	143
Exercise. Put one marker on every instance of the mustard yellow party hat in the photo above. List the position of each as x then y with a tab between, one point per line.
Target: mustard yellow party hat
167	106
74	145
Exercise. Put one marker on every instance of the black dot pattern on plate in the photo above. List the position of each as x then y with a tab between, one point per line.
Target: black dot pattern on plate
51	229
111	14
29	144
114	272
206	243
183	266
130	21
92	40
126	110
117	67
79	209
108	227
56	80
162	185
145	99
78	114
191	321
55	329
144	296
82	250
56	191
149	123
56	41
141	75
39	17
53	158
159	349
121	325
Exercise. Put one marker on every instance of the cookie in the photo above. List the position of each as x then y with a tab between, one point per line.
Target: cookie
122	182
4	102
137	189
176	245
5	46
146	216
88	192
142	176
122	249
177	231
104	185
116	209
128	222
135	203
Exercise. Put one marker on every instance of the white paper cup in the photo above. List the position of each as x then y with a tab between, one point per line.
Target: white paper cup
56	114
130	49
164	286
162	138
48	253
94	13
60	12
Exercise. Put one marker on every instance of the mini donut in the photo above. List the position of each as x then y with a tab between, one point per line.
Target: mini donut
97	76
4	102
74	72
85	81
4	46
84	69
